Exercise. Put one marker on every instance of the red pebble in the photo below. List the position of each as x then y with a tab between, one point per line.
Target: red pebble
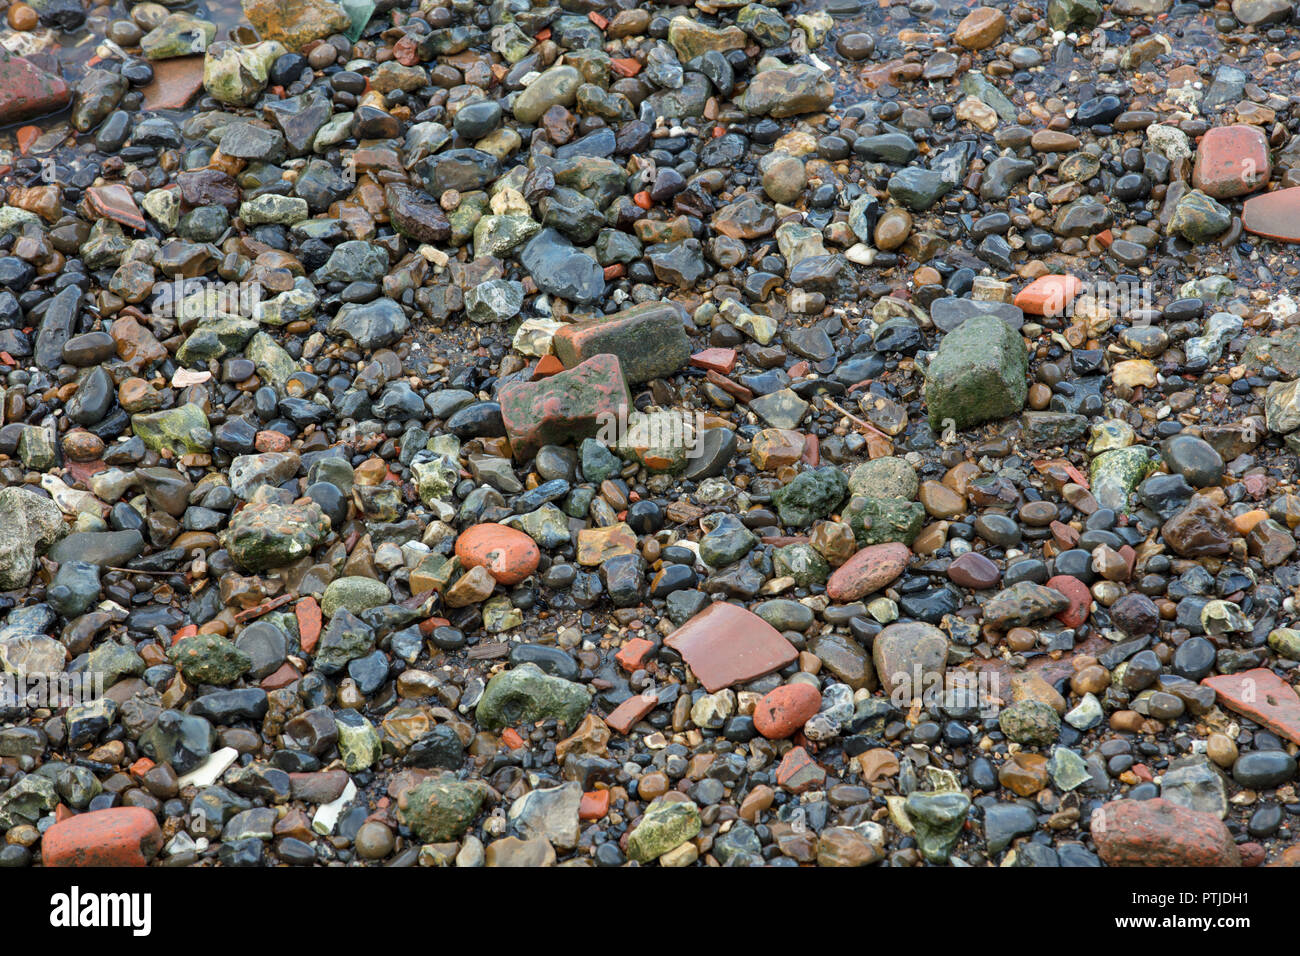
594	805
307	611
1079	596
118	836
785	710
632	655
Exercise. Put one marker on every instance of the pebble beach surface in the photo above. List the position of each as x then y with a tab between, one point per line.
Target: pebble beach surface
595	433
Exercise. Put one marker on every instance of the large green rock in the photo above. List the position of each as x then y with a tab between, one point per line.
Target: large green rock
664	826
236	75
265	534
787	92
179	34
1198	217
209	659
525	693
938	819
802	562
877	520
345	639
1116	474
215	337
183	430
1069	14
690	38
978	375
812	495
354	592
441	808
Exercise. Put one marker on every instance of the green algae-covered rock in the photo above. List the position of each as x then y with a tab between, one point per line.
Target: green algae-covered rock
183	430
664	826
812	495
877	520
525	693
978	375
209	659
441	808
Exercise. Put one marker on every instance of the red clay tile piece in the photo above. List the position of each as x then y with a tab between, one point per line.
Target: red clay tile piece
625	66
26	90
1079	596
633	654
547	366
282	677
625	716
1274	215
189	630
307	611
798	772
721	361
1231	161
1263	697
115	202
174	83
594	805
725	644
812	451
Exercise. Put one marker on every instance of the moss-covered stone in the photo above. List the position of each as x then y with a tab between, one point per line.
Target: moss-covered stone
802	562
525	693
877	520
665	826
812	495
182	430
1116	474
265	534
1030	722
441	808
209	659
978	375
938	819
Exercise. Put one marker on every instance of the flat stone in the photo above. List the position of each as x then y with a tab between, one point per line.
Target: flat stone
1274	215
725	644
27	91
951	312
1160	833
118	836
1263	697
573	404
174	83
114	202
1048	295
869	570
